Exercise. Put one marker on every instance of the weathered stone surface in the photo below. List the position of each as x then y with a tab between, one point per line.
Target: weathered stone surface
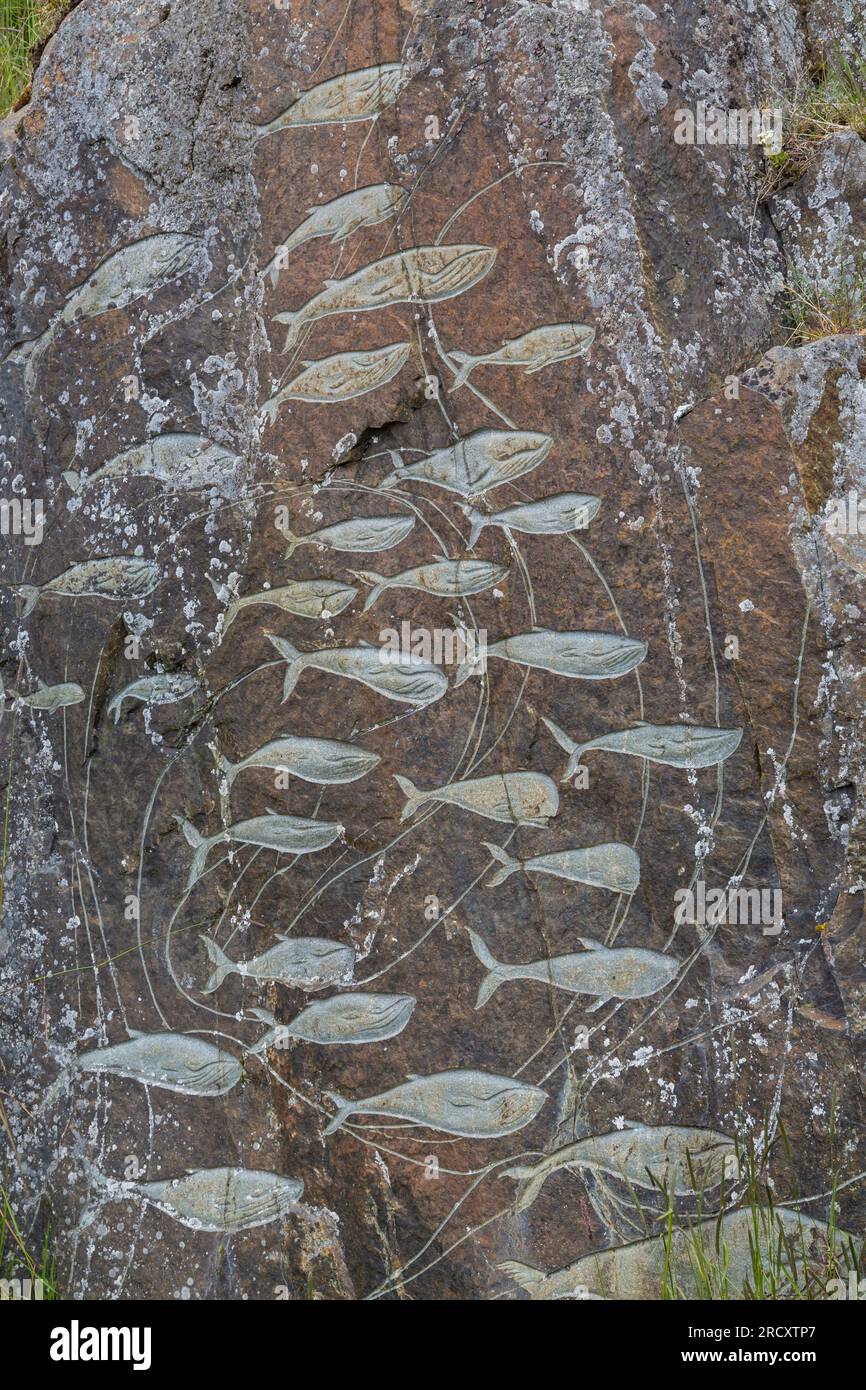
545	131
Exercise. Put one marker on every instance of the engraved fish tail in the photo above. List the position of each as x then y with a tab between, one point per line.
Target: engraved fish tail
73	480
29	593
378	581
467	362
496	974
398	473
573	749
229	769
295	661
525	1275
115	707
414	797
199	844
294	322
478	520
533	1175
344	1109
293	543
509	866
221	963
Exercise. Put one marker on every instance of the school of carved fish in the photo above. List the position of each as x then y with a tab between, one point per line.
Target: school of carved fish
683	1161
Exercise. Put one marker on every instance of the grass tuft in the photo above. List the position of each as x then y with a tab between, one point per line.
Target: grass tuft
16	1260
818	308
24	24
831	98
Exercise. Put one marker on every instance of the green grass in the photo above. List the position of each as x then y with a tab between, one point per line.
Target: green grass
830	98
818	308
779	1260
23	24
16	1260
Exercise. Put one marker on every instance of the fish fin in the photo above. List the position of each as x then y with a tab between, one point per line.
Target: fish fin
72	479
115	707
467	362
414	798
509	865
494	977
295	661
520	1174
222	965
135	1032
264	1015
199	844
594	1008
531	1190
525	1275
477	521
294	322
344	1110
399	468
590	944
294	542
560	735
378	581
329	283
29	593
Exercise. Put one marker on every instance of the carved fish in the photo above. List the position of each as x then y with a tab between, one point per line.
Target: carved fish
46	697
679	1158
639	1271
117	577
444	578
285	834
400	676
305	598
341	377
345	1018
170	1061
610	865
424	274
589	656
552	516
483	460
301	962
555	342
165	688
518	798
321	760
362	534
676	745
126	275
361	95
622	972
338	219
182	462
217	1199
472	1104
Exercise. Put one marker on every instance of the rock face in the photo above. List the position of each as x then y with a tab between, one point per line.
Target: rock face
297	303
